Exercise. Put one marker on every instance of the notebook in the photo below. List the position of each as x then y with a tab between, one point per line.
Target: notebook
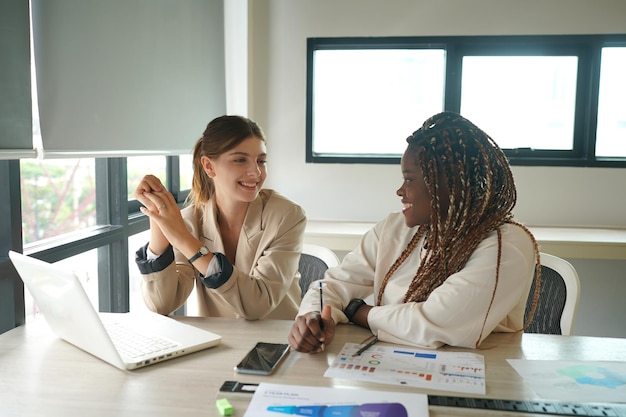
112	337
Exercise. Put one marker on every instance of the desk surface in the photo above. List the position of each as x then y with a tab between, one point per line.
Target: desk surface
41	375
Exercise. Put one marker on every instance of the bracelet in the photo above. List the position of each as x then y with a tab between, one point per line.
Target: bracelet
352	307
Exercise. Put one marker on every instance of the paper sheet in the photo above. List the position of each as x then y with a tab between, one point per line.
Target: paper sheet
576	381
399	365
274	400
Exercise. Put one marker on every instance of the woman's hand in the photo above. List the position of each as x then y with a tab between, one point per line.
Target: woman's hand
166	223
311	332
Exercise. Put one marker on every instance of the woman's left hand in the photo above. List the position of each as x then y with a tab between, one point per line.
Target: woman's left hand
162	209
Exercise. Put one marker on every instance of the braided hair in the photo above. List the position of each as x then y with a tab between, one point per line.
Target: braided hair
458	158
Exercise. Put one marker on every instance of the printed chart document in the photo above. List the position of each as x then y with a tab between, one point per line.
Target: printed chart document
399	365
578	381
274	400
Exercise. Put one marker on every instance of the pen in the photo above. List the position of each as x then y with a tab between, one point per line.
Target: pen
321	298
367	346
321	308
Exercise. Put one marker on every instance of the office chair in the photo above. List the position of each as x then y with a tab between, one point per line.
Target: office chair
314	261
559	294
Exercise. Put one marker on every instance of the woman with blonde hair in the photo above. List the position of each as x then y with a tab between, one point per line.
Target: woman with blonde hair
238	243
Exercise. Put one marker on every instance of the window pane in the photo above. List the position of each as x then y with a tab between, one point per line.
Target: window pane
186	171
139	166
367	102
134	277
611	133
85	266
58	196
522	101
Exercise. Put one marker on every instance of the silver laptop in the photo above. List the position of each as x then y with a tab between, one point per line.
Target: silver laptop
125	340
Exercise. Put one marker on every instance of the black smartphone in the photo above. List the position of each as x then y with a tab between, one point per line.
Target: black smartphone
263	359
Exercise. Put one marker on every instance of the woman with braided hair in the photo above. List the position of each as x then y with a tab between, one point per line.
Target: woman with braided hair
449	269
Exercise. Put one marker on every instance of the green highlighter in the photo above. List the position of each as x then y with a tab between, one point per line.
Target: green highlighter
224	407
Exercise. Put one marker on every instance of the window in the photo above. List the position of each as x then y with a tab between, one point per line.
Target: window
186	171
61	223
139	166
175	173
58	197
496	90
80	211
546	100
611	134
402	83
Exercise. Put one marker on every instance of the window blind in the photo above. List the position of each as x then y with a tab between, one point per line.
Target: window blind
127	77
15	92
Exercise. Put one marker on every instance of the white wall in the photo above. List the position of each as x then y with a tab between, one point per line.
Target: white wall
548	196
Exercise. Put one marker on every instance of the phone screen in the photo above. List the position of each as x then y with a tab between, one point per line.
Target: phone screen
263	358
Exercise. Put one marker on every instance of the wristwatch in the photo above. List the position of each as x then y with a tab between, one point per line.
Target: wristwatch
353	307
201	252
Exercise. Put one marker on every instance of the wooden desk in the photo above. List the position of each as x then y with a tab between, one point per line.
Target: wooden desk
41	375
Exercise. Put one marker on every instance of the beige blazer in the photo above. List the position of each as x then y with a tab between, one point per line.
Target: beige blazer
264	281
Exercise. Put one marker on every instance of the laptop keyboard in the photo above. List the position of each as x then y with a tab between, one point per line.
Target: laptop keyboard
130	343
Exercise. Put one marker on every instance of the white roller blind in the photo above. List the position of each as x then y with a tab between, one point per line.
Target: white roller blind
127	76
15	98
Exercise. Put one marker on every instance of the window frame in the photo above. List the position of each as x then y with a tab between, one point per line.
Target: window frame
588	49
117	218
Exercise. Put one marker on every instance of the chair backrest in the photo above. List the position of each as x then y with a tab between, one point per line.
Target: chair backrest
314	261
559	294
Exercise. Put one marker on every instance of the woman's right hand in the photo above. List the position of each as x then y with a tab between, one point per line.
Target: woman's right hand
311	332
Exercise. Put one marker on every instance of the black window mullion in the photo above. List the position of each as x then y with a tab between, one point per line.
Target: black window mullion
590	125
583	105
172	168
12	309
172	173
112	209
454	71
10	207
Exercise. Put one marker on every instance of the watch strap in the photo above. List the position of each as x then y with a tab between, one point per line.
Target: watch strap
352	307
201	252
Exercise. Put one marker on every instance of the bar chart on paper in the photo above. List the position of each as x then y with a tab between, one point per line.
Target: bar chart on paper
448	371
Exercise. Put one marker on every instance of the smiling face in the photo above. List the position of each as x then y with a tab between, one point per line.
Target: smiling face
416	200
238	174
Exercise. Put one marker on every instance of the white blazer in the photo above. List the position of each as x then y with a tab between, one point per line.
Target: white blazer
454	313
